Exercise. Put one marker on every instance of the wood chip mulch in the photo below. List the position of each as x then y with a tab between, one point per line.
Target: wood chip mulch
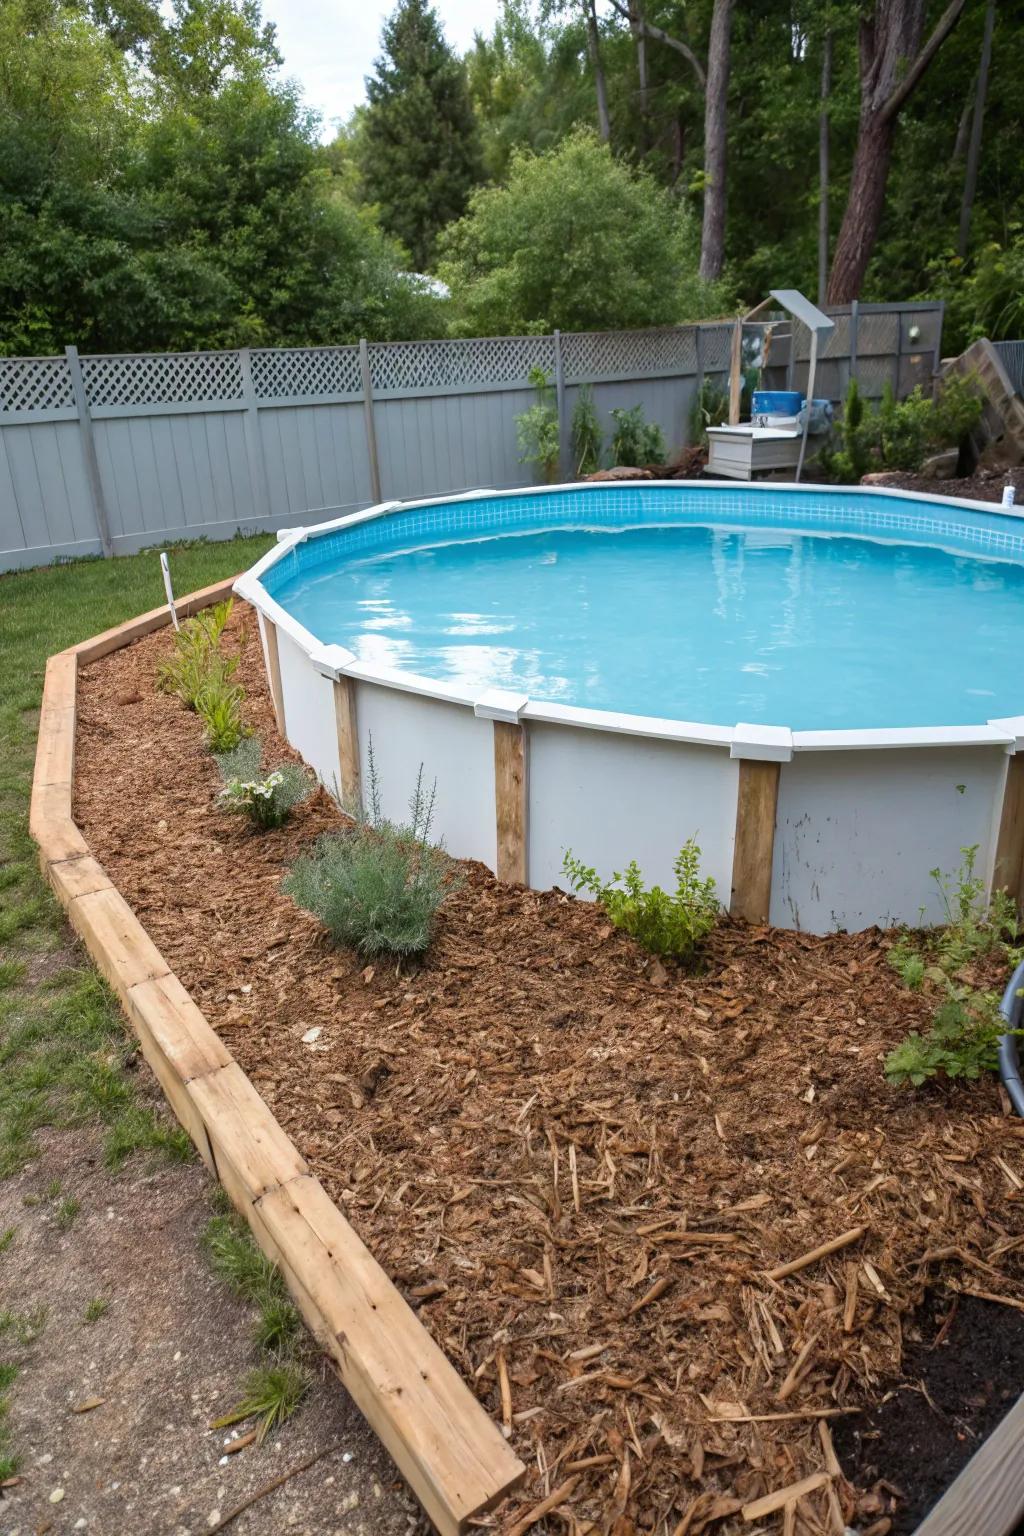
580	1165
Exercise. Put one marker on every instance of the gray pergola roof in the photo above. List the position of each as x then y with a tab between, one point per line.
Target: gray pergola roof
803	310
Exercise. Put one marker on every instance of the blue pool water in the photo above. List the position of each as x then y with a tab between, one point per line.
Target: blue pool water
705	623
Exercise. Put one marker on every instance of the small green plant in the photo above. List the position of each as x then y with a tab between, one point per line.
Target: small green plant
268	799
6	1239
271	1396
853	460
377	887
962	1040
8	1463
95	1309
235	1257
219	706
710	408
664	923
66	1212
537	432
587	437
636	442
25	1327
196	646
908	964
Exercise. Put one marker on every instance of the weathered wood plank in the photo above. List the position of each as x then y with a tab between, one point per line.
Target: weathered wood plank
77	877
252	1152
348	743
179	1046
51	826
453	1456
274	672
987	1499
510	800
1008	872
755	840
133	629
119	945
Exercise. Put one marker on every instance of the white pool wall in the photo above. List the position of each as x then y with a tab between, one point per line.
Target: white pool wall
862	816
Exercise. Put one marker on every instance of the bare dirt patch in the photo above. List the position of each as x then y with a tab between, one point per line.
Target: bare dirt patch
166	1356
577	1163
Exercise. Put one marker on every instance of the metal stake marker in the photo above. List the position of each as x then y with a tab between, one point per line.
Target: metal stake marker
165	568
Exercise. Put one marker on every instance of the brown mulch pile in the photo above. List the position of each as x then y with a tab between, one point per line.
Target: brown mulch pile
579	1164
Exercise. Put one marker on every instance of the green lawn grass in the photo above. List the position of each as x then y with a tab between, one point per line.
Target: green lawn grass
62	1040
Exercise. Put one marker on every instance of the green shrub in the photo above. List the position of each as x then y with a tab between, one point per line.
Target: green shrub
219	706
905	429
587	437
378	887
710	409
196	648
537	432
851	462
267	799
666	924
958	408
962	1040
636	442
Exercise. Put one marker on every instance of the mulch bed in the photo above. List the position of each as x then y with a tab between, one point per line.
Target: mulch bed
579	1164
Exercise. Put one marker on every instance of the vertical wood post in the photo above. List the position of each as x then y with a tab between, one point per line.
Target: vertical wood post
565	468
756	806
1008	870
348	744
736	372
510	800
371	430
92	463
698	333
854	318
253	440
274	673
899	352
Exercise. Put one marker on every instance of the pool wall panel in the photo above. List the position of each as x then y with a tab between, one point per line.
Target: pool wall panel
858	833
308	710
456	750
612	798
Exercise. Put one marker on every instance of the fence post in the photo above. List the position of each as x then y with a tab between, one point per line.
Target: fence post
854	315
564	469
253	440
699	347
371	431
92	463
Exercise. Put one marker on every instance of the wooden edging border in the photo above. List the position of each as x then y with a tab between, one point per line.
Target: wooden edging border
451	1453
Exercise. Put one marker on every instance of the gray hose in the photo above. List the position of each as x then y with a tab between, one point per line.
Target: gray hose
1011	1009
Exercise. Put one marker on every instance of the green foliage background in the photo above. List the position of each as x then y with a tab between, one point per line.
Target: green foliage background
163	187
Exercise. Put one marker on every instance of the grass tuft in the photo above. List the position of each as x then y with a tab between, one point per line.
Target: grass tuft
234	1256
271	1395
95	1309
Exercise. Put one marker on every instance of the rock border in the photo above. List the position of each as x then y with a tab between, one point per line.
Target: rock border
449	1450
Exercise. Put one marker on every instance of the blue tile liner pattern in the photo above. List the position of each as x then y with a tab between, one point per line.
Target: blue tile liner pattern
965	530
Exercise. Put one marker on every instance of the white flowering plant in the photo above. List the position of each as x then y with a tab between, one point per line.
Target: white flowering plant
268	799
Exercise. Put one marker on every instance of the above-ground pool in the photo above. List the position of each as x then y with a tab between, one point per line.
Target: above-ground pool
821	686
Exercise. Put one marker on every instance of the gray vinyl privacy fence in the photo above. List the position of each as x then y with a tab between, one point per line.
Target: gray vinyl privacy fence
110	454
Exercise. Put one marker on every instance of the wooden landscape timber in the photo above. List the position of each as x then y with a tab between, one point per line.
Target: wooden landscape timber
451	1453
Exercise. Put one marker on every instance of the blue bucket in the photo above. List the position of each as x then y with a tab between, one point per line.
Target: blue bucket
776	402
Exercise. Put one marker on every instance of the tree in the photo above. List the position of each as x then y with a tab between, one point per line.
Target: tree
712	240
892	64
419	146
135	215
974	144
576	240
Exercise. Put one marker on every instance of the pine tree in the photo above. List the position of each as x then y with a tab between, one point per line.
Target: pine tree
419	148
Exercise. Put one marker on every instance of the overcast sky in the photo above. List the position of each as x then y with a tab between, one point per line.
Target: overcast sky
329	46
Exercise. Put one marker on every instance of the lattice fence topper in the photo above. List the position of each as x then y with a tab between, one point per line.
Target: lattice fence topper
716	347
282	373
835	344
873	373
444	365
628	354
171	378
35	384
877	334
